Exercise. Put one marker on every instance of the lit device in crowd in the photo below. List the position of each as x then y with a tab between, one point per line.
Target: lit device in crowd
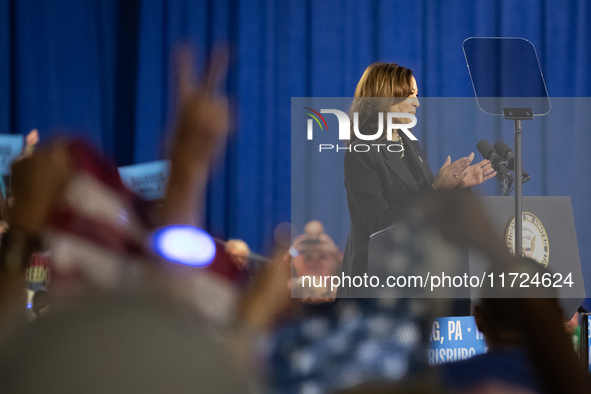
184	245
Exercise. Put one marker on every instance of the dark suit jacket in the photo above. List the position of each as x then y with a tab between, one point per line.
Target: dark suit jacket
379	187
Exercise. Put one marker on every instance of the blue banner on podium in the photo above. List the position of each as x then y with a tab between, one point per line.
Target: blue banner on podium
11	146
455	338
147	179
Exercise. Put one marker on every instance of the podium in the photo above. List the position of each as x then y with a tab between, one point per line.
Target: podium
549	237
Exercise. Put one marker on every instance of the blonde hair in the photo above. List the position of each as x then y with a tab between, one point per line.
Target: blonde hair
381	86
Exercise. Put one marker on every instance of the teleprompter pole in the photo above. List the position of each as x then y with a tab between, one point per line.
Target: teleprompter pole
518	188
517	115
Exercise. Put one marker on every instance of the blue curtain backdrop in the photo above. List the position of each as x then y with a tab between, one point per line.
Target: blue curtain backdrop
100	69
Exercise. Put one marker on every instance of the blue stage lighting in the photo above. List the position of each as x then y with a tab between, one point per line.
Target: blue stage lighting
184	245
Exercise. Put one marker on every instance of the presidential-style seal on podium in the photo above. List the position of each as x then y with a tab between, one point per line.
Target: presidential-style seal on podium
534	237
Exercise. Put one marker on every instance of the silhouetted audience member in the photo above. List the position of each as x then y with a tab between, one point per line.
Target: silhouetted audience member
142	343
315	256
351	341
507	361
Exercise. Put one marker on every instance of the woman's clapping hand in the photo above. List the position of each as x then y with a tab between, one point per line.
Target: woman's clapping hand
451	174
461	174
477	174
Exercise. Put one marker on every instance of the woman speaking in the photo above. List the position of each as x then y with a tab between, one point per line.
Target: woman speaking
381	183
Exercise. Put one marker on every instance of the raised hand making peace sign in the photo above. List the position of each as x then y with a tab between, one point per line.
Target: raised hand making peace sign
201	129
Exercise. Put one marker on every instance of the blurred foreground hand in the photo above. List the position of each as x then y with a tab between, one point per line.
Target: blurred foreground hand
38	181
200	132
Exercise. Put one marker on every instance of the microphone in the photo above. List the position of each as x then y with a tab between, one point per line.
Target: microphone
498	163
506	153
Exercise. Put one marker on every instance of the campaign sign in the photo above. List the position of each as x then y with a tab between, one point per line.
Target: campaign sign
147	179
37	274
11	146
455	338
